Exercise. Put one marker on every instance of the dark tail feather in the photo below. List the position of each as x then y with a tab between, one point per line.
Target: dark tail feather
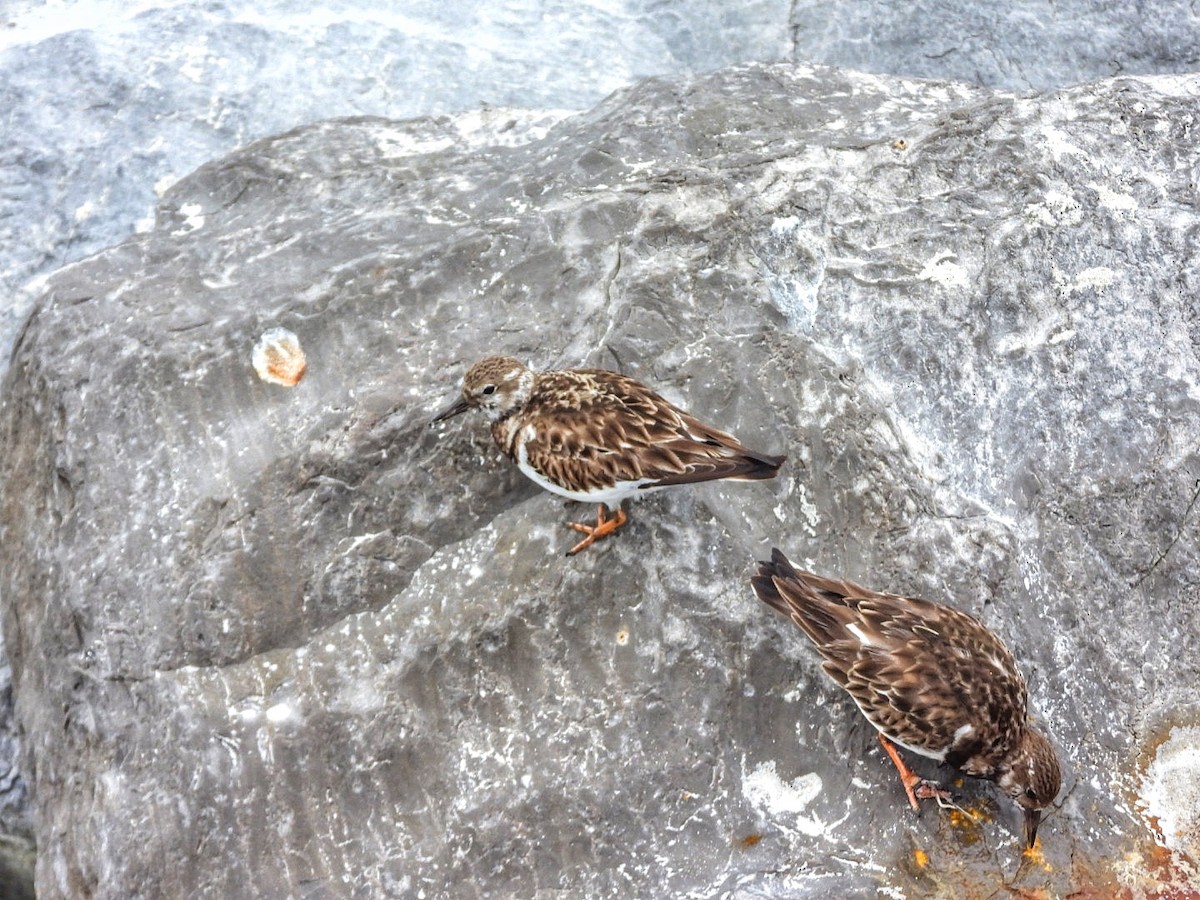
804	598
779	565
760	466
764	582
808	584
746	466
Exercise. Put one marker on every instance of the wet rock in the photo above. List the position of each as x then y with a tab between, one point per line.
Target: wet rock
106	104
302	640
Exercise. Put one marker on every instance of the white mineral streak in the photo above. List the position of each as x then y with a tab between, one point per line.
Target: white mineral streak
1170	791
783	800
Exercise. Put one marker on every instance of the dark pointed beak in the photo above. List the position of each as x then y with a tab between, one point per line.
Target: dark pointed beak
1032	818
458	407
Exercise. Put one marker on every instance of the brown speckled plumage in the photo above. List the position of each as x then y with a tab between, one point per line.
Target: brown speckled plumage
591	434
593	429
929	677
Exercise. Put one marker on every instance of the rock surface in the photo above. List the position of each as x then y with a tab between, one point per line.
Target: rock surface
106	104
1023	45
297	639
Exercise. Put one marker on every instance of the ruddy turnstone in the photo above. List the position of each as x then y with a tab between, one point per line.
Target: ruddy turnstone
929	677
595	435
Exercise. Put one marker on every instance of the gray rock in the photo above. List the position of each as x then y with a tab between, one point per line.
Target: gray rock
1024	45
107	104
298	640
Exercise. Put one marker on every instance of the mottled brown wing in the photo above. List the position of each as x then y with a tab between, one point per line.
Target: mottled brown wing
597	428
940	670
919	670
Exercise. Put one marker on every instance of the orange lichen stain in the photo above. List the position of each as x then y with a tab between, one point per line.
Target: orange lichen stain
1034	856
1095	879
1166	876
1158	857
1161	865
1144	872
961	818
968	823
1110	892
748	841
920	858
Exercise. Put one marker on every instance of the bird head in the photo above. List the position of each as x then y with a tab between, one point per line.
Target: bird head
1032	779
497	385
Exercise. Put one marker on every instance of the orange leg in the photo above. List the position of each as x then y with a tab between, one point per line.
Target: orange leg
604	526
915	786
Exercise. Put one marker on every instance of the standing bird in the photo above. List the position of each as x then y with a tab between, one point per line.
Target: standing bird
595	435
929	677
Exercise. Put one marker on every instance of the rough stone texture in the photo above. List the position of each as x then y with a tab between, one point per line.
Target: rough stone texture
106	103
298	640
1023	45
16	826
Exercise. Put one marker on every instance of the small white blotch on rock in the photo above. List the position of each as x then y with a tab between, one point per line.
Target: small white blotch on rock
623	637
278	358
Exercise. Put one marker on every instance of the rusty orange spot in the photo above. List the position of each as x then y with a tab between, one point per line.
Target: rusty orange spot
920	857
1035	856
969	823
1168	869
749	840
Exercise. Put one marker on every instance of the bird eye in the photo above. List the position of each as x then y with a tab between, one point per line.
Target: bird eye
1031	793
489	389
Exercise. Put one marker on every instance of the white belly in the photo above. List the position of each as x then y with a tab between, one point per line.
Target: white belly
610	496
940	755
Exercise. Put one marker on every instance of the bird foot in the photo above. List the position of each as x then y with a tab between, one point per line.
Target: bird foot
931	790
604	526
916	787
